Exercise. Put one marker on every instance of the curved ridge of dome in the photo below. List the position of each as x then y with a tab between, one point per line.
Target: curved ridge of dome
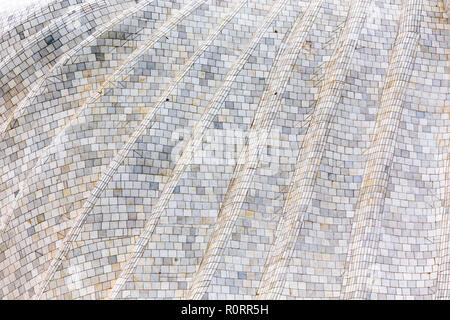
209	149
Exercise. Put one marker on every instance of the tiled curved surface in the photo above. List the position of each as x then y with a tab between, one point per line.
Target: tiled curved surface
12	29
115	169
371	201
65	92
22	68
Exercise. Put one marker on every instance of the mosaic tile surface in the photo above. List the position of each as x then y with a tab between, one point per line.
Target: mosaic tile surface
211	149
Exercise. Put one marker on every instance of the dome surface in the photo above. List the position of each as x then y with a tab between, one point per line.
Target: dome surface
225	149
